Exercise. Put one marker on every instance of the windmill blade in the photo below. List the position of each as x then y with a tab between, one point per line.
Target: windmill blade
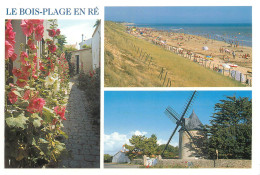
170	138
188	105
174	116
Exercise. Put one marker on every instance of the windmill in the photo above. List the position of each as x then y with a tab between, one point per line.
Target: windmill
193	122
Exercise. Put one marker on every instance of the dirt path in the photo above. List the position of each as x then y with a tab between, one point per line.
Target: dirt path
83	141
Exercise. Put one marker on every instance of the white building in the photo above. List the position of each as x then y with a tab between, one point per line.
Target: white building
87	42
96	42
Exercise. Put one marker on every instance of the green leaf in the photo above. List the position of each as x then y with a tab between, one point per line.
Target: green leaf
37	123
43	140
18	122
64	134
48	114
17	93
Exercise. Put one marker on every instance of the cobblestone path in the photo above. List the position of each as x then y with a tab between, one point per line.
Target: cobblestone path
83	143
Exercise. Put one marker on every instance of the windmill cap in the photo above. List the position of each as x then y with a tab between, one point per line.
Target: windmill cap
193	122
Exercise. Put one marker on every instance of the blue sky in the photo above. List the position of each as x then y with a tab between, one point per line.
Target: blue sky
142	113
180	15
73	29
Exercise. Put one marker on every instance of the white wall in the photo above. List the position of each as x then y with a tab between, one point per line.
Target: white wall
96	47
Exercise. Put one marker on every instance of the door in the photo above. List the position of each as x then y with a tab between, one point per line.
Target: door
77	65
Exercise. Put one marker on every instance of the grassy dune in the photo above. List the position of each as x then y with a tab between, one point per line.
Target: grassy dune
125	68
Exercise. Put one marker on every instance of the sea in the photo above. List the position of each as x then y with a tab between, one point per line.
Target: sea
229	33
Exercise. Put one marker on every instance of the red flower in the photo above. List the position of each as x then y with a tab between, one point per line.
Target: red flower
52	48
90	74
36	105
12	97
17	72
31	44
9	33
36	21
9	50
39	30
60	111
26	95
27	27
8	24
57	32
52	32
21	82
13	57
35	76
22	56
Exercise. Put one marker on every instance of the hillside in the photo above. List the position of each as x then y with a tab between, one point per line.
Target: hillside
134	62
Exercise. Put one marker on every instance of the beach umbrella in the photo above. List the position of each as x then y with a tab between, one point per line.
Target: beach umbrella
205	48
208	56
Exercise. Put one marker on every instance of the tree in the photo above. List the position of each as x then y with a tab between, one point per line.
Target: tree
171	151
141	145
230	132
61	42
107	158
85	46
98	21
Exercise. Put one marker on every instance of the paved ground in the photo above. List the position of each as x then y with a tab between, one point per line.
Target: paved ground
83	131
113	165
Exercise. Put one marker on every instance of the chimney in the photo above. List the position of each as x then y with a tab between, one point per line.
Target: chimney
82	38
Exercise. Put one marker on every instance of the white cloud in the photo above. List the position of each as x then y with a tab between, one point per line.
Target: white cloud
138	133
161	141
74	31
114	142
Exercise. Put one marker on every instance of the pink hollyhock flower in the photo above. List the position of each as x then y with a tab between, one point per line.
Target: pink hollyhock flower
52	48
13	57
90	74
36	105
25	71
31	44
57	32
34	76
52	32
22	56
8	24
27	27
26	95
39	30
9	50
12	96
60	111
21	82
11	84
9	33
17	72
36	21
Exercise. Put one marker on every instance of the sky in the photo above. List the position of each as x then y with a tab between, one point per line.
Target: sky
180	15
73	29
130	113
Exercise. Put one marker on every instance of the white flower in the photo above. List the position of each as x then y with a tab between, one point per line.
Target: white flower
56	86
49	80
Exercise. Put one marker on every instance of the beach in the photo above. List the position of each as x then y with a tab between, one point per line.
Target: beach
229	55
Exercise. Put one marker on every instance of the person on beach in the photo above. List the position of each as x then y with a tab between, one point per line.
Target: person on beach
234	54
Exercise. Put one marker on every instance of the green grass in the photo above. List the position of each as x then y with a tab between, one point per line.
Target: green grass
123	68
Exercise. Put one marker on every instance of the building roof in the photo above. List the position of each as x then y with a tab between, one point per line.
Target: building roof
193	122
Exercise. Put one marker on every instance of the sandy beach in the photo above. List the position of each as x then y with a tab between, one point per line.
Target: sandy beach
234	56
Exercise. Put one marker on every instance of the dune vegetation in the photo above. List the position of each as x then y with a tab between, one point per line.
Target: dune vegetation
126	65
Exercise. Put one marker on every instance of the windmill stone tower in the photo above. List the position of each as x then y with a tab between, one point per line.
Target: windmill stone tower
187	149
